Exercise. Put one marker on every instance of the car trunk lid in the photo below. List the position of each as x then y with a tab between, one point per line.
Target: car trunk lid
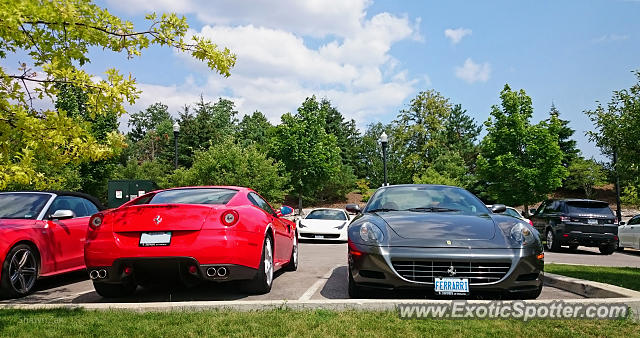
160	217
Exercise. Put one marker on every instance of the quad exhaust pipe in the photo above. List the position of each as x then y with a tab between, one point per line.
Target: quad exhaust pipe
220	272
98	274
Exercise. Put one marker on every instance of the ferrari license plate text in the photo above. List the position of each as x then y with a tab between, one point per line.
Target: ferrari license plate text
451	286
156	238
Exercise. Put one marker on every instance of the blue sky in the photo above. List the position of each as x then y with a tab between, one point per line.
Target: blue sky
371	57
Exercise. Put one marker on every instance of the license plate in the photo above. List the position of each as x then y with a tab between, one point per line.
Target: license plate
451	286
592	221
156	238
320	236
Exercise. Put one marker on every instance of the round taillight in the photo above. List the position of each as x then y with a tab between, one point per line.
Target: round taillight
229	217
96	221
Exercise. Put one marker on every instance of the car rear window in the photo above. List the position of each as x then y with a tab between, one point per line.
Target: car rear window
191	196
327	214
588	207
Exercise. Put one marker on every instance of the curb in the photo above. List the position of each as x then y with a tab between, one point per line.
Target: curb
588	289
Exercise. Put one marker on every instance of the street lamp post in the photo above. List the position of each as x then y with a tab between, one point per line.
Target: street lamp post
176	131
384	140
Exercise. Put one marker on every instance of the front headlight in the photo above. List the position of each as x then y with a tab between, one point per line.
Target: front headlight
522	234
370	232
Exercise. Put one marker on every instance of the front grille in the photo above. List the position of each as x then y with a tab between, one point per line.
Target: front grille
326	236
476	272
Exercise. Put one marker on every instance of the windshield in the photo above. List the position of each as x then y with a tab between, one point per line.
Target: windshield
425	198
337	215
588	207
22	205
191	196
512	213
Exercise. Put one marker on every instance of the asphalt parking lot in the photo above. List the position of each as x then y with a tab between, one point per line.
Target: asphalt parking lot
322	274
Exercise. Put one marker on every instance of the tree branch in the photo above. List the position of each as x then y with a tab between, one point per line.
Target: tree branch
26	78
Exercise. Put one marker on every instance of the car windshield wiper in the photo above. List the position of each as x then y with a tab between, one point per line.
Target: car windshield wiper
381	210
432	209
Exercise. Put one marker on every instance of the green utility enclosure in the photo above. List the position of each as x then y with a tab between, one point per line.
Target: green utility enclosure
122	191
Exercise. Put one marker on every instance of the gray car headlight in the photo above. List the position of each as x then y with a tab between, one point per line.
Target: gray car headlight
370	232
522	234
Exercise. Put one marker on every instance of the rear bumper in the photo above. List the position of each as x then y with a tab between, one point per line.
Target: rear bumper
157	268
204	247
587	239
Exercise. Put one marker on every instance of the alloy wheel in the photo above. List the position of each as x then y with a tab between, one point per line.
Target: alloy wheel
23	271
549	239
268	260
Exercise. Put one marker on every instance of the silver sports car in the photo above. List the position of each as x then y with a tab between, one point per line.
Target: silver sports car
441	239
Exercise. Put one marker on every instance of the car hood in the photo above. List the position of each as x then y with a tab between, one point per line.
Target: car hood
440	225
321	223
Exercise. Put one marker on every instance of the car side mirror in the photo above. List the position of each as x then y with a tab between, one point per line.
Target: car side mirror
285	210
62	214
498	208
622	223
353	208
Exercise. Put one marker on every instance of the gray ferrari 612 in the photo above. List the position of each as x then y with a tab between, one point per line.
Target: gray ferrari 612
441	239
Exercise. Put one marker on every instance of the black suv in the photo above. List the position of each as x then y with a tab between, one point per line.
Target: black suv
574	222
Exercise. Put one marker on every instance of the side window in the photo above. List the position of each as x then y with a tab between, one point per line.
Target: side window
552	207
75	204
261	203
542	208
91	208
634	220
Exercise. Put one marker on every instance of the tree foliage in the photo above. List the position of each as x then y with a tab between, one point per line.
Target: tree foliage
520	162
227	163
585	175
56	37
310	155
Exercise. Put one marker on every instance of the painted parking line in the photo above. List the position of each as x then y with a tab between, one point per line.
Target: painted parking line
316	286
68	297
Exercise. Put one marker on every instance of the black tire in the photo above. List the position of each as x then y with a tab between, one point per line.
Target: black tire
552	241
293	260
607	249
573	247
107	290
22	262
354	290
261	283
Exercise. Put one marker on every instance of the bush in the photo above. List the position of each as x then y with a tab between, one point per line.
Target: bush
227	163
363	189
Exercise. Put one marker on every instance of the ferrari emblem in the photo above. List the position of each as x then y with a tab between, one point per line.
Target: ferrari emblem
158	219
448	242
451	271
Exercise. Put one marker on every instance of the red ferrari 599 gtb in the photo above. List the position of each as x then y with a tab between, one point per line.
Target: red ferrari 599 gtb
207	233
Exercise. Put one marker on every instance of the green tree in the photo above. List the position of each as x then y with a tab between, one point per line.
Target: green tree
210	123
520	162
55	37
156	171
617	126
310	155
585	175
416	135
255	128
227	163
561	128
147	120
345	131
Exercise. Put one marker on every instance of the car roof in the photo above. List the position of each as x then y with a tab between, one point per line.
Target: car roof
62	193
577	200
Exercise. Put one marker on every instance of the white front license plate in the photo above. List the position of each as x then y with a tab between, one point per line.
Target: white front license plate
157	238
320	236
451	286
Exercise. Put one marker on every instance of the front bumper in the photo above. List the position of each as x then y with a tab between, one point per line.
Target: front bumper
338	235
142	269
372	266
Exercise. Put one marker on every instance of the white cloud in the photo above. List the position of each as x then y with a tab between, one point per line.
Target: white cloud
611	37
348	62
472	72
455	35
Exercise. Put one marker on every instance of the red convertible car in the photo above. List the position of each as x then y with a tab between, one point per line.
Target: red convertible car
41	234
201	233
